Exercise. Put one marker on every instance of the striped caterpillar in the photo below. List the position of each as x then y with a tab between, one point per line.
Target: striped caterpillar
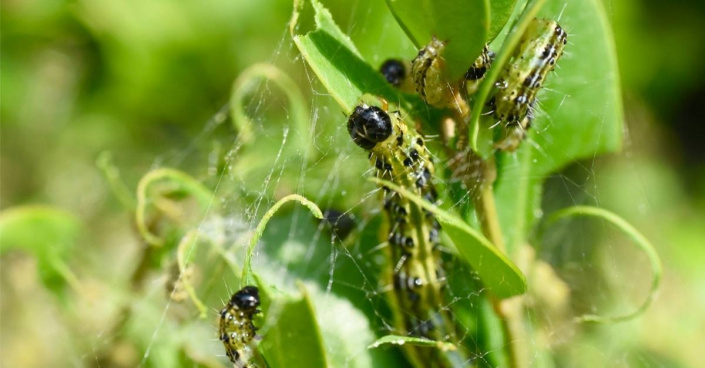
427	78
236	328
399	155
540	48
477	71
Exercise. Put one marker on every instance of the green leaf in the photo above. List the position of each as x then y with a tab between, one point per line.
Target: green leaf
641	242
294	337
500	11
498	273
247	274
49	234
463	24
416	341
583	117
491	336
334	59
579	116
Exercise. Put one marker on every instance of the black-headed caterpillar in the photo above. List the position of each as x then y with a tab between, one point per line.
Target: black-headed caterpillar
425	75
400	155
236	328
537	54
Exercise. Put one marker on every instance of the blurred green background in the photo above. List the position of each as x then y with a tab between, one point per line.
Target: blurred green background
141	79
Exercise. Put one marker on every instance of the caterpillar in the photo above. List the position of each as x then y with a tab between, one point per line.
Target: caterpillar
236	328
537	54
400	155
427	72
477	71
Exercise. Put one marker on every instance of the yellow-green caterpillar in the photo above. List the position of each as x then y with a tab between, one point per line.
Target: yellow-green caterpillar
425	74
400	155
236	328
537	54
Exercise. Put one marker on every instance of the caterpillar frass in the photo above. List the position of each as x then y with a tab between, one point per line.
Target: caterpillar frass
537	54
399	155
236	328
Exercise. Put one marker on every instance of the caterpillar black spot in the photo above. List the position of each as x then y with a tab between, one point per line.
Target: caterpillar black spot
236	328
400	155
537	54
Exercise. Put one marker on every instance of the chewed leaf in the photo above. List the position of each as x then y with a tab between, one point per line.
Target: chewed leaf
462	24
641	242
49	234
417	341
247	274
497	272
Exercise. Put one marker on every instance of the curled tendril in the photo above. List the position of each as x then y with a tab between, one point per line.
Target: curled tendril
183	252
178	181
247	273
248	81
640	241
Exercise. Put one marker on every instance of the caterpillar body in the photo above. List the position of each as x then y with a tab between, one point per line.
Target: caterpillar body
427	72
477	71
399	155
236	328
537	54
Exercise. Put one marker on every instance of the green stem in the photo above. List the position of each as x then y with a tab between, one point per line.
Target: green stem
485	207
508	310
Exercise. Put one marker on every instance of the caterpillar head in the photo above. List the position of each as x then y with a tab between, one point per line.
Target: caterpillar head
246	299
393	71
369	125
